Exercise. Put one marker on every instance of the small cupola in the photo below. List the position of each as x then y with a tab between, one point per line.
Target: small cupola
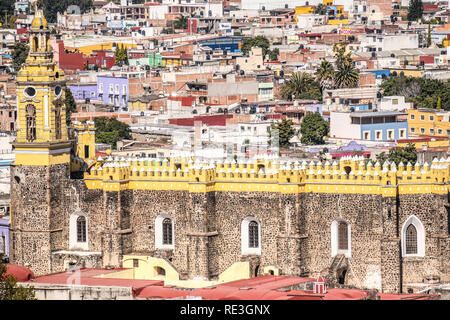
319	286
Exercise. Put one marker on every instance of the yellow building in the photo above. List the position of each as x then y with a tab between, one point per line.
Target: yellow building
42	133
88	49
429	122
407	72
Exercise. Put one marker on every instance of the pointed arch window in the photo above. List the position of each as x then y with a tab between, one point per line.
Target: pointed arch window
31	122
250	236
81	229
167	231
413	237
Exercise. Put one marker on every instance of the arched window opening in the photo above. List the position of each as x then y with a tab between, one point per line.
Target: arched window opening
256	270
160	271
253	240
58	122
31	122
411	239
341	277
35	44
348	169
342	236
167	231
81	229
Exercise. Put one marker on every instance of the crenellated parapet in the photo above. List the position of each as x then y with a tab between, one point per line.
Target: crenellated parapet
349	175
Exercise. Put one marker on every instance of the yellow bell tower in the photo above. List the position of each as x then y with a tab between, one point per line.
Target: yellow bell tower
42	137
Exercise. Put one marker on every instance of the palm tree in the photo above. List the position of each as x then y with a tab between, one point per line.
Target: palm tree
325	74
301	85
346	76
181	23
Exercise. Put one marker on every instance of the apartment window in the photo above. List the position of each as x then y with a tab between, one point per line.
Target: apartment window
412	117
422	117
124	89
390	134
366	135
135	263
431	131
401	133
413	130
422	130
378	135
431	118
440	131
448	132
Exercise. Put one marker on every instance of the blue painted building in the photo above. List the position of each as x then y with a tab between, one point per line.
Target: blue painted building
84	91
113	91
372	126
231	44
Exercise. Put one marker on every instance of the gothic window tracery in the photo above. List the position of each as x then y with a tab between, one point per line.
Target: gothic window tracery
167	231
342	236
81	229
411	239
253	240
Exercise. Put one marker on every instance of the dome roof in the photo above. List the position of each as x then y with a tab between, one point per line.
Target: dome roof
39	21
19	272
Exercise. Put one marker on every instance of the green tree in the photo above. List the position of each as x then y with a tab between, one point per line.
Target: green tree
285	132
6	10
320	9
273	55
415	10
313	129
110	130
9	289
301	85
346	76
70	104
399	154
52	7
20	54
181	22
325	74
121	55
422	92
342	57
258	41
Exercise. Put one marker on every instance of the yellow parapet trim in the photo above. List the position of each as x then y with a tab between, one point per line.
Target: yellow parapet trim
347	176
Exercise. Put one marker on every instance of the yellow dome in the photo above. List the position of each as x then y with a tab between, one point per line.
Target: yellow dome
39	21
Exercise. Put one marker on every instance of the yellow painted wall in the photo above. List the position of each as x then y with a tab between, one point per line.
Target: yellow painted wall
337	21
147	268
322	178
87	50
408	72
237	271
436	124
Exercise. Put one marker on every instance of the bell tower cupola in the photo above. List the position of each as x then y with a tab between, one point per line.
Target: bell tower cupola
42	138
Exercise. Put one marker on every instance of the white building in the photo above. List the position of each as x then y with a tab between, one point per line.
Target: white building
381	42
